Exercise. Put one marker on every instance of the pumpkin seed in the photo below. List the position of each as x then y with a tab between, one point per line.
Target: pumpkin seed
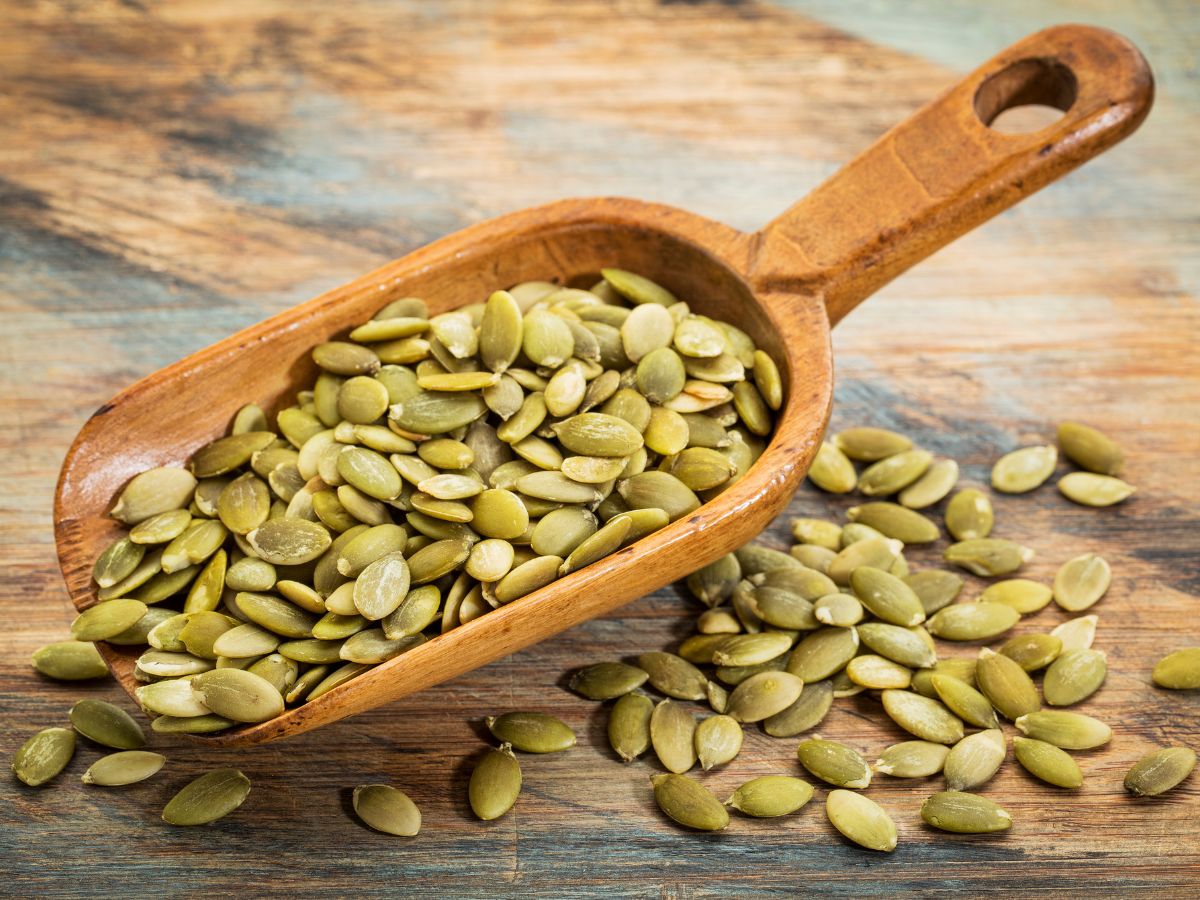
1068	730
289	542
1076	634
160	529
107	619
1032	651
937	482
764	695
245	641
972	621
117	562
1074	676
718	740
336	678
871	444
210	797
834	763
387	809
531	732
912	759
877	673
861	820
894	473
1024	470
126	767
637	288
935	588
895	521
910	647
969	515
988	556
841	610
647	328
771	795
70	661
372	646
1047	762
107	724
607	680
963	813
1021	594
171	665
887	597
238	695
688	802
923	717
190	724
629	725
1090	449
44	755
964	701
672	734
714	583
975	759
832	471
1005	683
674	676
1160	771
1179	671
876	553
1082	581
155	491
962	669
1089	489
822	653
817	531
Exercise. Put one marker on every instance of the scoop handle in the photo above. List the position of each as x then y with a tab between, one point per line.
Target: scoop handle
943	171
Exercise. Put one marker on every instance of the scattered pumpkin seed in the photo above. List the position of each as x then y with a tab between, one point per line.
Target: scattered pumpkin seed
969	515
1081	582
912	759
1068	730
988	556
387	809
1047	762
964	813
972	621
44	755
107	724
861	820
673	736
834	763
125	767
975	759
1074	676
1024	470
1090	449
1089	489
531	732
688	802
70	661
1179	671
769	796
937	482
832	471
210	797
1160	771
718	740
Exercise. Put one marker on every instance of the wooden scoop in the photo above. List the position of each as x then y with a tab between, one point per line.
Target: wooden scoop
928	180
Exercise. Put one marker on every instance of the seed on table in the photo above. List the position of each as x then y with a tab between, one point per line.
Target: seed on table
1068	730
126	767
629	726
1074	676
937	482
44	755
1024	470
672	734
894	473
673	676
689	803
817	531
806	713
107	724
963	813
922	717
861	820
964	701
834	763
1076	634
769	796
887	597
107	619
912	647
1160	771
988	556
875	553
718	740
1021	594
1090	449
1179	671
750	649
763	695
876	673
70	661
832	471
972	621
969	515
841	610
955	667
387	809
532	732
824	652
975	759
912	759
1003	681
1047	762
895	521
1082	581
210	797
1089	489
935	588
495	783
867	444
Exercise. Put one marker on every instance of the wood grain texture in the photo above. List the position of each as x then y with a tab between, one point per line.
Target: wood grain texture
174	172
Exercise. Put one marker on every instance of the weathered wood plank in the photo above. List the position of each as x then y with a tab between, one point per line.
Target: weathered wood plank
169	173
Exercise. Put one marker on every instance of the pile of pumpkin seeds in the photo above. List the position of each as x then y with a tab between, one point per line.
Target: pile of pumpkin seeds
437	469
784	635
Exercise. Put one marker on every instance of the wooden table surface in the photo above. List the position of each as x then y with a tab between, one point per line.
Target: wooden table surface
171	172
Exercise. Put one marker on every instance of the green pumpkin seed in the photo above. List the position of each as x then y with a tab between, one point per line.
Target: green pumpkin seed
876	553
912	759
501	332
107	619
343	358
674	676
629	726
1047	762
1076	634
769	796
155	491
894	473
841	610
70	661
764	695
210	797
276	615
853	532
607	680
1090	449
289	542
201	631
528	577
238	695
1082	581
190	724
436	412
887	597
834	763
44	755
532	732
962	669
1089	489
336	678
964	813
910	647
1024	470
1032	651
1179	671
718	740
768	380
832	471
637	288
974	760
381	587
160	664
969	515
877	673
333	627
1005	683
387	809
499	514
689	803
1021	594
895	521
861	820
418	609
923	717
672	734
126	767
1074	676
988	556
118	561
1068	730
818	532
174	697
805	713
372	646
150	566
205	592
245	641
161	528
647	328
495	783
964	701
822	653
244	504
1160	771
935	588
871	444
250	574
937	482
972	621
659	490
107	724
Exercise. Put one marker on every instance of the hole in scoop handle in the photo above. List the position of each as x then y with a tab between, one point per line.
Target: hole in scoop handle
943	171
